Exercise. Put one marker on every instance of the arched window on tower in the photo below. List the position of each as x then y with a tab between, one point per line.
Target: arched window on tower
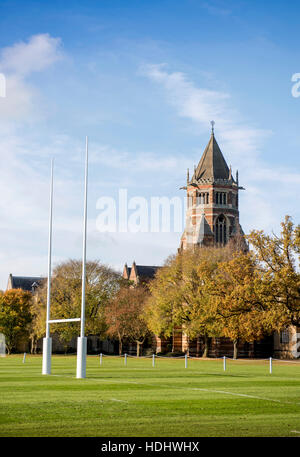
220	230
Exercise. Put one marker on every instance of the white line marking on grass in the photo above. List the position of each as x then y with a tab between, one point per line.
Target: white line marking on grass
294	431
116	399
245	395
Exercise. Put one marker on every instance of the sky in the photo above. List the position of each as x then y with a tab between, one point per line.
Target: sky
143	79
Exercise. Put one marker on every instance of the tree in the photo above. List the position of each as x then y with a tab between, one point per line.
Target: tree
236	290
38	324
15	316
117	317
102	282
139	330
280	282
181	294
164	298
124	316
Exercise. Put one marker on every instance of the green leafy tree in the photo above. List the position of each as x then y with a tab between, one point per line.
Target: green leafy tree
15	316
181	295
236	291
279	291
102	282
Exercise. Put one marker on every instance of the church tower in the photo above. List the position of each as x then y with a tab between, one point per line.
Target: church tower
212	215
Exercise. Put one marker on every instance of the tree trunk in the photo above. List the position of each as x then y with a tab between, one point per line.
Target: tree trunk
205	352
188	346
198	347
32	344
138	345
173	342
235	348
120	346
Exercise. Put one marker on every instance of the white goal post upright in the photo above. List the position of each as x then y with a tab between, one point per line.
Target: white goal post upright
47	341
82	340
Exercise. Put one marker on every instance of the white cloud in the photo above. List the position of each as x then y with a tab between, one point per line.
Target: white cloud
17	62
37	54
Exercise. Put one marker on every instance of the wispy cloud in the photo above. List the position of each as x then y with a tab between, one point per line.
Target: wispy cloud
216	8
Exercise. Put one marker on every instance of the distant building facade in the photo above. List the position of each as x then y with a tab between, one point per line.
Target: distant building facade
28	283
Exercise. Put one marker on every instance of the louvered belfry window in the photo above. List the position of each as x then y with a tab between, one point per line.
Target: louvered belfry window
220	230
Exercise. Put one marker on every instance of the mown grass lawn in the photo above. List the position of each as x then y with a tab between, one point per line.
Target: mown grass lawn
139	400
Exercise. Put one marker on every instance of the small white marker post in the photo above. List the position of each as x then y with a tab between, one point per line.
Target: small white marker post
185	361
125	360
270	365
153	360
101	359
224	363
24	357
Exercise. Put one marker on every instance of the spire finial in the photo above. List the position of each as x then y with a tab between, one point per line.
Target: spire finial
212	127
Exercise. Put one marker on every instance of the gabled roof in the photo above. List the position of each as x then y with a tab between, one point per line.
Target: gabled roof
140	272
25	282
212	163
146	271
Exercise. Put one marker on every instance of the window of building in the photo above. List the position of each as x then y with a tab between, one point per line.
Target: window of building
202	198
284	336
220	230
221	198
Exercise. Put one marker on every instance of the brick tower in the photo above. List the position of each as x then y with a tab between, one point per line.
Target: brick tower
212	215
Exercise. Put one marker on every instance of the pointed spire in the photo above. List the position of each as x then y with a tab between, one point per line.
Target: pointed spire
188	176
212	127
230	173
212	164
237	177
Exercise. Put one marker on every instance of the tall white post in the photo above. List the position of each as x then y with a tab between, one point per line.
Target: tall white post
224	363
153	360
125	360
270	365
82	340
185	362
47	342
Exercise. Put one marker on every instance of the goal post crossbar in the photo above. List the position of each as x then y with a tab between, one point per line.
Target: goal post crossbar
59	321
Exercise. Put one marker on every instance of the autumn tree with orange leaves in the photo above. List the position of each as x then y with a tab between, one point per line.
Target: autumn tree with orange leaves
124	316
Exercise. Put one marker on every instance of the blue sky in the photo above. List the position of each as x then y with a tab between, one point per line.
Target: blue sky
142	79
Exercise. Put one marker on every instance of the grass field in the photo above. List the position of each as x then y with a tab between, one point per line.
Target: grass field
139	400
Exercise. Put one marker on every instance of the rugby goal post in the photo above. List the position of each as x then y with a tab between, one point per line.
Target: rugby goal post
82	340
